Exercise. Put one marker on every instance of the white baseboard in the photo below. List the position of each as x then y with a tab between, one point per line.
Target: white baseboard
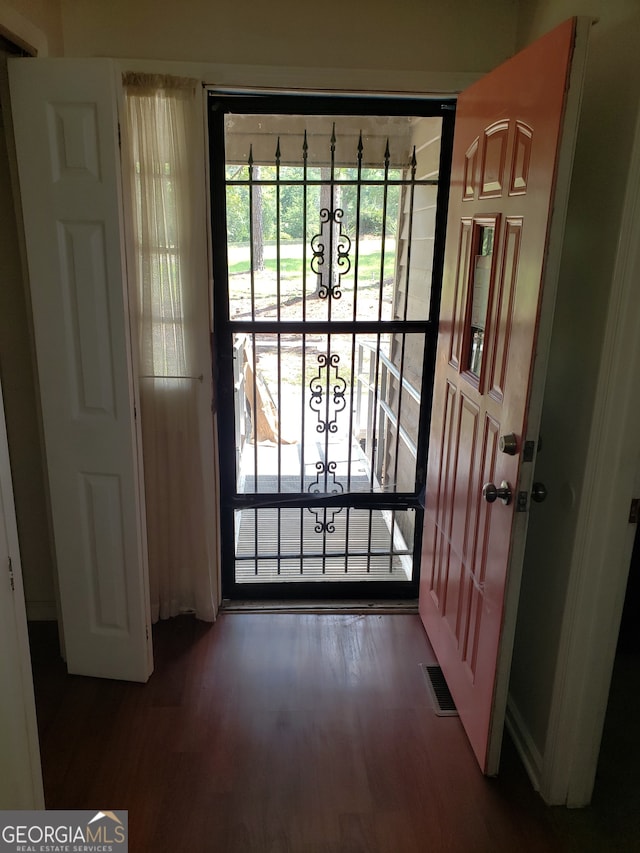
524	743
41	611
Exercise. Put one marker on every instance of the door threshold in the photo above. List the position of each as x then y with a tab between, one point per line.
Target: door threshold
402	606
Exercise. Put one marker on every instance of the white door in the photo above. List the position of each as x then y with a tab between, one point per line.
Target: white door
21	776
66	130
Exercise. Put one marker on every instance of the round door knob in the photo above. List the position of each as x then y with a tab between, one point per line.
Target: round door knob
538	492
493	493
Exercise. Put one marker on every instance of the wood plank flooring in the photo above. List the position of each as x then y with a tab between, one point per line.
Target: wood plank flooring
282	733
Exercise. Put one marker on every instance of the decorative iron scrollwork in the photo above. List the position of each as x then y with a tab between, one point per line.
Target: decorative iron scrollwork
339	243
325	515
321	384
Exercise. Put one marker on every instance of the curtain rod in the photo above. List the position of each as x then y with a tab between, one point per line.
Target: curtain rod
199	378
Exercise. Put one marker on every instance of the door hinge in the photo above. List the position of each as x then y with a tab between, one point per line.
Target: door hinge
119	136
634	511
11	577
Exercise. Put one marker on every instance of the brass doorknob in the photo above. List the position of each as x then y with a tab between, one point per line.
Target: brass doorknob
492	493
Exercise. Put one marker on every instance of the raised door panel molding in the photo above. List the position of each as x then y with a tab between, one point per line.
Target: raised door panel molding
504	306
73	135
521	159
84	281
460	293
494	158
106	554
470	171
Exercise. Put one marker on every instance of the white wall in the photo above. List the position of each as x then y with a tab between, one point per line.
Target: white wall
431	34
37	23
611	98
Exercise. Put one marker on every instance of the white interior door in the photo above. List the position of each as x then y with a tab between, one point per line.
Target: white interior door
66	130
21	776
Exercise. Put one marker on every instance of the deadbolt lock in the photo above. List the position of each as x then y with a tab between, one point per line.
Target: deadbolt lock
509	444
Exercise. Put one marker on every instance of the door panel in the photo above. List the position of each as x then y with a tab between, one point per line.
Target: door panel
66	137
507	140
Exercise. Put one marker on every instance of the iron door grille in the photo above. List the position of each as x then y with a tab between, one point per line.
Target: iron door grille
327	244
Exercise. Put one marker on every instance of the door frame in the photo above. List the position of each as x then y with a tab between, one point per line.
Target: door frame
604	537
19	736
20	740
313	103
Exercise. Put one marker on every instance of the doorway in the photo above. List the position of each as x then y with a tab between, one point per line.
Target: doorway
328	219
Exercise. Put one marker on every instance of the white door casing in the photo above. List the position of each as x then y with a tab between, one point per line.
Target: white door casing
66	130
604	539
21	777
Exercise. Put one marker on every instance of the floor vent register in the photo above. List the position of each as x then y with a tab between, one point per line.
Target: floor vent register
441	698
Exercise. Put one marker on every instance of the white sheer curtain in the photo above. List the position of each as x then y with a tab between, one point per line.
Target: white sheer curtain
163	145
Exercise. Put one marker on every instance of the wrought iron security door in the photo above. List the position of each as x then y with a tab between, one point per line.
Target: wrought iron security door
328	229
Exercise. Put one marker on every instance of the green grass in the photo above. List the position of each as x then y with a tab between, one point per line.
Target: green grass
287	265
291	267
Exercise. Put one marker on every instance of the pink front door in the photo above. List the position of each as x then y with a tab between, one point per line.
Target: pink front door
508	129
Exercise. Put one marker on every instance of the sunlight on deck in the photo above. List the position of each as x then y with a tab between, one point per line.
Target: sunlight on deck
359	544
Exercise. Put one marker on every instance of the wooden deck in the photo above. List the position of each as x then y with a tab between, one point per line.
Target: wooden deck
284	545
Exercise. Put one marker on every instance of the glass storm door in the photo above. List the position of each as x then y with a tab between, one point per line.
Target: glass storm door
328	226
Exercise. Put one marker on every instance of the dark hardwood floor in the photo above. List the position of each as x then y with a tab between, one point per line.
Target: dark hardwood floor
283	733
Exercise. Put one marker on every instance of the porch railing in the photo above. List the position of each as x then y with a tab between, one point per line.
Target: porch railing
375	412
373	420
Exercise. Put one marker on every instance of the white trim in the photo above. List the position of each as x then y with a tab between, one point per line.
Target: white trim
17	683
604	538
524	742
16	28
